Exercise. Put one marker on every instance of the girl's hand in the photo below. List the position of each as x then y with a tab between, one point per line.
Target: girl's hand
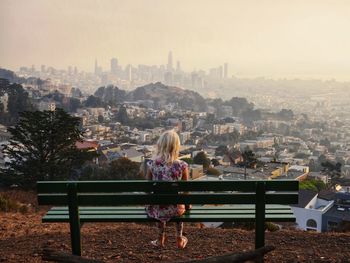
188	207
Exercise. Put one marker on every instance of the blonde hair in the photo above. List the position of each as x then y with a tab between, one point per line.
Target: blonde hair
168	146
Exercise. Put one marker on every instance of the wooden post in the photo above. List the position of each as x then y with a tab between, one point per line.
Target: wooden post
260	215
74	220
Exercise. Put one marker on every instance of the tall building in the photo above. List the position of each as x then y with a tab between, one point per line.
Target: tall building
114	66
220	71
96	67
128	72
225	70
170	61
178	66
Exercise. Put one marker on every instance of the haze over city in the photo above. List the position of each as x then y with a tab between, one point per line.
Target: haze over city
274	39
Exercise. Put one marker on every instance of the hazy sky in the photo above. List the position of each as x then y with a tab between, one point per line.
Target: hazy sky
257	38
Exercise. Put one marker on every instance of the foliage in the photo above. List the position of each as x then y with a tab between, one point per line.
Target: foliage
111	95
187	160
93	172
301	156
143	123
9	205
333	170
124	168
94	102
76	93
73	104
249	158
100	119
250	115
215	162
286	114
122	115
325	142
239	105
312	184
201	158
42	147
221	150
18	101
213	171
271	227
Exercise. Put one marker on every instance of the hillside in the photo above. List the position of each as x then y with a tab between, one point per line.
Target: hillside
23	237
159	93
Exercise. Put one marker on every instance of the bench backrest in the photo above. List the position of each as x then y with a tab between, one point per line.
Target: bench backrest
116	193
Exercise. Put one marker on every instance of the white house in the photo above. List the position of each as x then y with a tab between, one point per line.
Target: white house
309	211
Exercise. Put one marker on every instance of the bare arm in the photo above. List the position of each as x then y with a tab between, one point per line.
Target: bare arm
185	175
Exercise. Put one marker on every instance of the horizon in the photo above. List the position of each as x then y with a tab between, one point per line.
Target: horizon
269	40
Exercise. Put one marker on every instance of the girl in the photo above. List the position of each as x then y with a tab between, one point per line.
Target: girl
167	167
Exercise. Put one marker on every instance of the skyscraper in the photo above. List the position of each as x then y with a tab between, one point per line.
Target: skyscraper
114	66
170	61
178	66
96	67
128	72
225	70
220	72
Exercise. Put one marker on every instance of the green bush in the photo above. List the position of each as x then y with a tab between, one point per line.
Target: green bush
213	171
312	184
271	227
8	205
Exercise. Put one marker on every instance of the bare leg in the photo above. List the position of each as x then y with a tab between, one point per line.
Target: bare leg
181	240
179	228
161	229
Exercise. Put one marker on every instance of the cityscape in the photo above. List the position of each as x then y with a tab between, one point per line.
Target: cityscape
97	123
129	77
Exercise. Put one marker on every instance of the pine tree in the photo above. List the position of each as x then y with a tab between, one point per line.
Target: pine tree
42	147
201	158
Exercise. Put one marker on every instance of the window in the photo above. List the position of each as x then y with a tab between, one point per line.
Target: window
311	223
332	225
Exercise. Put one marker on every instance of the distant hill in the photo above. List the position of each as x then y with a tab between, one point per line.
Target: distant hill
110	94
159	93
162	94
10	76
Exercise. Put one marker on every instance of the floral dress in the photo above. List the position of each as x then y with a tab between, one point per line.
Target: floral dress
164	172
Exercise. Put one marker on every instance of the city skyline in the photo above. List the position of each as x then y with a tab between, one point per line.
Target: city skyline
270	39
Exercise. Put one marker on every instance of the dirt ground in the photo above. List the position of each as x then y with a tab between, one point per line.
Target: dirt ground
23	237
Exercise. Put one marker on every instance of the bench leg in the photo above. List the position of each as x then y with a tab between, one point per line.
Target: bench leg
75	239
74	220
260	217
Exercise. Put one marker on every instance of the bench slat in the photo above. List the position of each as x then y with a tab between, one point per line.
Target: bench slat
141	199
142	212
194	207
148	186
185	218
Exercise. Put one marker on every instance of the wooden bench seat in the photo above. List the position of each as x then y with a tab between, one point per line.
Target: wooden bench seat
237	213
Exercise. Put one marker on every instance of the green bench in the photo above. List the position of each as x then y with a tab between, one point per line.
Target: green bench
79	202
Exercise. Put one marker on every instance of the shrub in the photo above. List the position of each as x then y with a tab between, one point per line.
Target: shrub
271	227
9	205
213	171
312	184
